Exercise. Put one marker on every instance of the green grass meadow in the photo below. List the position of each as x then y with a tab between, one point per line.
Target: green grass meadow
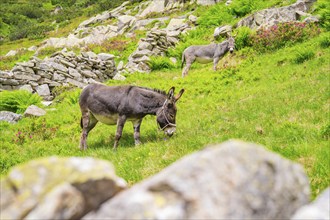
280	100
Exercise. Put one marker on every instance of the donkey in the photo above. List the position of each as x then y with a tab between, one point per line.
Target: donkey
206	53
117	104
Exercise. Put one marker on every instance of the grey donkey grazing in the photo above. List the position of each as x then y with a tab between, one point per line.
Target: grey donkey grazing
114	105
206	54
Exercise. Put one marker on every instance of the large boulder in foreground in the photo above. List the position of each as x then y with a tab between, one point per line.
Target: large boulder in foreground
57	188
233	180
317	210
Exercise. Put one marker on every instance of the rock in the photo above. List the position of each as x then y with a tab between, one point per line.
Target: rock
74	73
46	103
10	82
173	60
222	31
207	2
63	202
173	34
153	7
125	20
119	77
5	74
43	90
26	88
105	56
10	117
58	66
233	180
142	59
317	210
67	64
57	188
33	48
174	24
120	65
11	53
192	19
141	53
144	46
33	110
76	83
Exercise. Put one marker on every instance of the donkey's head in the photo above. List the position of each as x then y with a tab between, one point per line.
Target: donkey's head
166	114
231	44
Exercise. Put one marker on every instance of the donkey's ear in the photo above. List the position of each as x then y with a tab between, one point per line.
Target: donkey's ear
178	96
170	94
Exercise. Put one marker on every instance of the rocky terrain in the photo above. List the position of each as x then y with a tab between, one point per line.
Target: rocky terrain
65	68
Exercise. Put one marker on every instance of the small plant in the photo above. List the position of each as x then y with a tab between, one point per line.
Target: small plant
41	129
303	55
325	41
159	62
322	8
242	37
17	101
243	7
325	132
21	137
47	51
283	34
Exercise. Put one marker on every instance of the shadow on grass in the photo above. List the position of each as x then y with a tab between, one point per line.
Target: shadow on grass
126	141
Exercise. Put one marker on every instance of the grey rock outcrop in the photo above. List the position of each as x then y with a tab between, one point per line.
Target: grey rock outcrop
234	180
272	16
10	117
62	68
57	188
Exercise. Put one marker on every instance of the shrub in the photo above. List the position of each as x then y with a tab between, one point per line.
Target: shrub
283	34
242	8
159	62
325	131
215	16
302	55
17	101
242	37
325	41
322	7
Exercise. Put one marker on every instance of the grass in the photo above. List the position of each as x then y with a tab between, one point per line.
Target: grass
268	99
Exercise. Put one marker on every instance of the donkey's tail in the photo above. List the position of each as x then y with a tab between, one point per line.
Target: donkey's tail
182	60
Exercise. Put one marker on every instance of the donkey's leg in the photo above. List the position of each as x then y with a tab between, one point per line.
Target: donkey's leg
189	60
136	126
120	125
215	63
88	122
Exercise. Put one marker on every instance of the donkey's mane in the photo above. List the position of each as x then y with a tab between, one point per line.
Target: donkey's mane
154	90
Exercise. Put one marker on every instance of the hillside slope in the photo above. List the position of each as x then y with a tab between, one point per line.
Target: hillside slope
278	98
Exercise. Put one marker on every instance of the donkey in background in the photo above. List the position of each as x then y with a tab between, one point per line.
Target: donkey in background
116	104
206	54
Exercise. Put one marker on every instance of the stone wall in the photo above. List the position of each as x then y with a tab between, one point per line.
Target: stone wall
61	69
157	42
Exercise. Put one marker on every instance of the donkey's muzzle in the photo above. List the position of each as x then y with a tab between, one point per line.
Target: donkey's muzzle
231	50
169	131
